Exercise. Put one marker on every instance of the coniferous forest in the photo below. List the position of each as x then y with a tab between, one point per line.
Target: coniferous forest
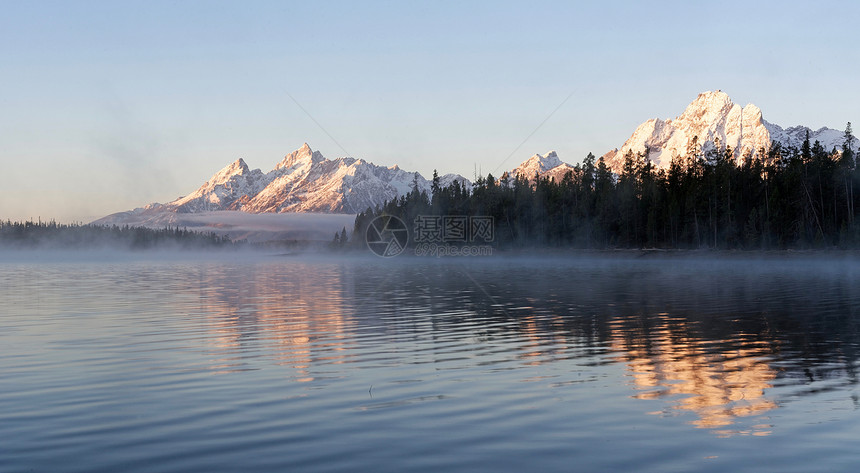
51	234
784	198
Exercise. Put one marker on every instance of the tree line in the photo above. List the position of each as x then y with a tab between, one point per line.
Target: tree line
38	234
781	198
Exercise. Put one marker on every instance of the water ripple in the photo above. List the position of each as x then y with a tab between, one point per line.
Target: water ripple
320	366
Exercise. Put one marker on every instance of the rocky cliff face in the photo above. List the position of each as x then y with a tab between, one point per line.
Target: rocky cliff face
713	121
548	165
304	181
228	188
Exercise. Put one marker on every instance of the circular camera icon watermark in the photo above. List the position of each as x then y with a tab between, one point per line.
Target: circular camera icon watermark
387	236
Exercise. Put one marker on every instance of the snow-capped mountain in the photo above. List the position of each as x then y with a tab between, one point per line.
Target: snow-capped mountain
712	121
548	165
225	190
304	181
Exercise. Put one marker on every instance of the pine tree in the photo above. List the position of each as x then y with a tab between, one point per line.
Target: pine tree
848	168
847	147
806	152
415	183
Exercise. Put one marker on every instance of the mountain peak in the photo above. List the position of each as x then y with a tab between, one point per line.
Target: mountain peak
538	164
711	122
545	166
237	167
713	96
304	181
301	156
239	164
708	107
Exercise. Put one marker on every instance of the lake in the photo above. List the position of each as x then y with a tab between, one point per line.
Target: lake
142	362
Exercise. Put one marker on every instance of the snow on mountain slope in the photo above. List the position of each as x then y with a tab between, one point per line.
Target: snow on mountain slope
548	165
538	164
713	121
447	180
794	136
224	189
307	182
303	181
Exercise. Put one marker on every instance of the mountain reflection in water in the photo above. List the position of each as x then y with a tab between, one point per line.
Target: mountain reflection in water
706	337
420	364
697	375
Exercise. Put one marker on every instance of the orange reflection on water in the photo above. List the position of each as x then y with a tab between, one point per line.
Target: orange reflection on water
296	323
542	344
718	384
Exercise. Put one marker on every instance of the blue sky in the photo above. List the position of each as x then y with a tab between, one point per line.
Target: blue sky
106	106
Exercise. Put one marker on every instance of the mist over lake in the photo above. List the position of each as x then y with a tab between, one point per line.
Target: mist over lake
416	237
241	362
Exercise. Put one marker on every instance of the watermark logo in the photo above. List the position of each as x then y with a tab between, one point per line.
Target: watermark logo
453	235
453	229
387	236
433	235
437	250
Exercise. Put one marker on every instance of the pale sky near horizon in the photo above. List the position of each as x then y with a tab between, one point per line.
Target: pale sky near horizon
107	106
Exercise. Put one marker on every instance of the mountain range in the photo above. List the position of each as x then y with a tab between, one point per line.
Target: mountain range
304	181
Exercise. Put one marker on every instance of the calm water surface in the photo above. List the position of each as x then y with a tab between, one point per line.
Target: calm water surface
554	364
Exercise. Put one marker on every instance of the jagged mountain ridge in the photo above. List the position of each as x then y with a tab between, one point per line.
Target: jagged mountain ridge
548	165
303	181
713	121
